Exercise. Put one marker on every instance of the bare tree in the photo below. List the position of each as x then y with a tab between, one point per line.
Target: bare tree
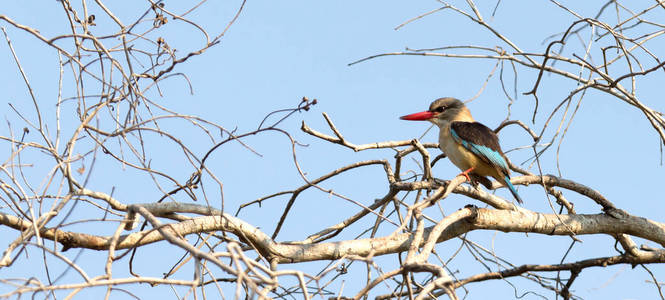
106	116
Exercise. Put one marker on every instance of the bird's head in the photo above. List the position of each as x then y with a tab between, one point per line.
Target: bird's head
442	111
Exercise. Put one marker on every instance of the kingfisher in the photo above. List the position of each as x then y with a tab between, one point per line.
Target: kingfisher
471	146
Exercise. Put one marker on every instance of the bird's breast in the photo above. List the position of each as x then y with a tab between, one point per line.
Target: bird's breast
460	156
455	152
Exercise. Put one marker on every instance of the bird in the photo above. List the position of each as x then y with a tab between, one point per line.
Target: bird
471	146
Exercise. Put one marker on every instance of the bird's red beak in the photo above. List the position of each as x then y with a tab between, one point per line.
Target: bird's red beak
421	116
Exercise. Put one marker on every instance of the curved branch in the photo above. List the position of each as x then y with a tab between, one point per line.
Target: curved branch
482	219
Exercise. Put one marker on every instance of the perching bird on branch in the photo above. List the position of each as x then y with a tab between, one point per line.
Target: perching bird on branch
471	146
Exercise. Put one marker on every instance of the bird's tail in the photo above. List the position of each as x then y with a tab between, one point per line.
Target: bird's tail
512	189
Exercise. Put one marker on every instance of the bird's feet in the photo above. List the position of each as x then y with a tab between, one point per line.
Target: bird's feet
466	173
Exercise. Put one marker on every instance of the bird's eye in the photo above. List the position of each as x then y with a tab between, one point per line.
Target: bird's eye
440	109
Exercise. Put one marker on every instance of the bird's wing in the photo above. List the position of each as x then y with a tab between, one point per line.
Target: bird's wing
484	143
481	141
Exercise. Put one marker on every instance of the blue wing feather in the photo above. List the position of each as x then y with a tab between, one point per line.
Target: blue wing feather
485	153
484	143
512	189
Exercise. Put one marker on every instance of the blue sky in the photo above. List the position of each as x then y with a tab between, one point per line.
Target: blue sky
278	52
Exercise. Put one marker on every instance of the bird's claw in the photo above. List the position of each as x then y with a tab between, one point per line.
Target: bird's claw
466	174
